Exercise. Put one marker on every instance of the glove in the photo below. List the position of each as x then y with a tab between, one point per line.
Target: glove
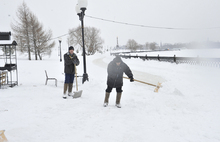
75	62
132	79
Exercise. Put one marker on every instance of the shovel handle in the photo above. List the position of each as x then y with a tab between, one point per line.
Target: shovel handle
76	78
141	81
157	86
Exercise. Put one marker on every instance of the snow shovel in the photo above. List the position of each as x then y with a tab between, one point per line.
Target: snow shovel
2	136
77	94
157	86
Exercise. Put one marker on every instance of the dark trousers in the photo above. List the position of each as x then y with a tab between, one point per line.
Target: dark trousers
69	78
109	89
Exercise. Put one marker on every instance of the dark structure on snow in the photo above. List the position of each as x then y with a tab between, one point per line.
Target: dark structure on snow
8	62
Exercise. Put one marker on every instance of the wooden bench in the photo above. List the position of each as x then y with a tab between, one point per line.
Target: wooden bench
48	78
3	77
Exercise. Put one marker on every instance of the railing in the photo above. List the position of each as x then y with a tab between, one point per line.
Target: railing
141	51
214	62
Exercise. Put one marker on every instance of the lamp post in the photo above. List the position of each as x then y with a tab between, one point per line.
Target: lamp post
80	10
60	40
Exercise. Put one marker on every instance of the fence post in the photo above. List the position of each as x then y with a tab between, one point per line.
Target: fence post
198	61
174	59
158	57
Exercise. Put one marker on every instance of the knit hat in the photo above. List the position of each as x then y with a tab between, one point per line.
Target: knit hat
117	59
71	48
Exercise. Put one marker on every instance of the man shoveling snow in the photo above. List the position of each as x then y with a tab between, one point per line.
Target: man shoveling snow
115	70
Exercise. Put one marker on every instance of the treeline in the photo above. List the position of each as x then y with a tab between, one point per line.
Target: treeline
133	45
30	35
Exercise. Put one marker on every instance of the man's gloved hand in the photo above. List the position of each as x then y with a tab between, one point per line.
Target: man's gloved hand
75	62
132	79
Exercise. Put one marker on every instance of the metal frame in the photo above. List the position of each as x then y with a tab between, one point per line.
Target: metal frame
10	59
48	78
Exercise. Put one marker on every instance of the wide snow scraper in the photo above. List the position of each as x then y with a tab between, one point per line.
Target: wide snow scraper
157	86
77	93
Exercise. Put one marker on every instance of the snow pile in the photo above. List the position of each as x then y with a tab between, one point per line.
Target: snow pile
185	109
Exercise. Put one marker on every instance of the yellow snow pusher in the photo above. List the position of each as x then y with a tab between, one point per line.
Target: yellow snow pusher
157	86
2	136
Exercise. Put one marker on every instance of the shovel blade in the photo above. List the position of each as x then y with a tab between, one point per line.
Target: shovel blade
2	136
157	87
77	94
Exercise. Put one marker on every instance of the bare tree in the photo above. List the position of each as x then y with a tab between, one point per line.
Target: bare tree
35	28
153	46
44	47
75	36
29	34
147	45
93	41
132	45
22	28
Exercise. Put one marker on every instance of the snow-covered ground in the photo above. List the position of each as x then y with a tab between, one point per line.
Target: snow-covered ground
186	108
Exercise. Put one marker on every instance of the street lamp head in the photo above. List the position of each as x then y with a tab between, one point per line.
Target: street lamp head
60	39
77	8
14	43
82	4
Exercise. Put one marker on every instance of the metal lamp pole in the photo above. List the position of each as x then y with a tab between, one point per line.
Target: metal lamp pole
60	40
80	10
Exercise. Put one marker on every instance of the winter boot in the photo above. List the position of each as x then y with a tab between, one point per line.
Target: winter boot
70	89
64	90
118	98
106	99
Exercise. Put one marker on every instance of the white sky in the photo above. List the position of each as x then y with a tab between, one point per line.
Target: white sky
60	16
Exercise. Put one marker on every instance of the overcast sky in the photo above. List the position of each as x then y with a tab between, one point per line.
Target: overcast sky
60	16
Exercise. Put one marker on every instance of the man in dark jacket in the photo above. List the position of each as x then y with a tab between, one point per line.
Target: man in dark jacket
70	61
116	68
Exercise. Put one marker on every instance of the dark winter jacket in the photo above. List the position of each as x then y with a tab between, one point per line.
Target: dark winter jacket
115	74
69	61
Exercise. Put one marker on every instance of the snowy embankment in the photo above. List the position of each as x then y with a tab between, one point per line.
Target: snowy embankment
185	109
